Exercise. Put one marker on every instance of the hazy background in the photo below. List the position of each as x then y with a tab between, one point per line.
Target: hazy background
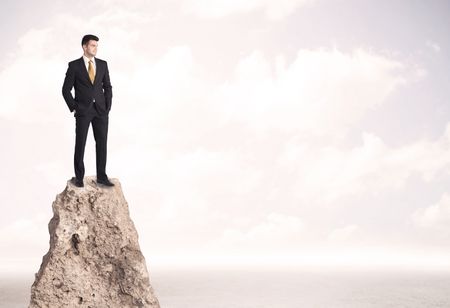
244	133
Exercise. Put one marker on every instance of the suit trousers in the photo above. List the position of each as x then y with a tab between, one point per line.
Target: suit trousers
100	128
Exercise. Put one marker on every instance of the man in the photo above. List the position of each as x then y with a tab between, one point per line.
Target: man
93	96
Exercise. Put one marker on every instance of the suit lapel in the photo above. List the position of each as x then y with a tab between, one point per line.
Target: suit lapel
98	67
83	69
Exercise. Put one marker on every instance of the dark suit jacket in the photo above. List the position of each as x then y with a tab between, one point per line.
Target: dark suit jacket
86	93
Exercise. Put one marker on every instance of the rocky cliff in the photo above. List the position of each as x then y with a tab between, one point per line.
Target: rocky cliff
94	258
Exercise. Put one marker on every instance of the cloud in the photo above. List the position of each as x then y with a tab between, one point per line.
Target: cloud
274	231
436	216
229	163
434	46
322	92
26	67
221	8
328	173
185	130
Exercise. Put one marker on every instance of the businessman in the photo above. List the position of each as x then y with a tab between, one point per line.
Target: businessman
93	97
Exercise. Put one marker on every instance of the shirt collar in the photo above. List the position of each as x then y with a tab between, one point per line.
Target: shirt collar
86	60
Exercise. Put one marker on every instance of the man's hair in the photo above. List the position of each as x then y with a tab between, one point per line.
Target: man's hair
87	38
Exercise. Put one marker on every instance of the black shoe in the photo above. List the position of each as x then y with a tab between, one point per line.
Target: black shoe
76	182
105	182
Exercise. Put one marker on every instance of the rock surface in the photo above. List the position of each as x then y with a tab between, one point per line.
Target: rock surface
94	258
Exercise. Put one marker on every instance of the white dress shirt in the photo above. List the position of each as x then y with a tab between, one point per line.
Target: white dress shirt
86	62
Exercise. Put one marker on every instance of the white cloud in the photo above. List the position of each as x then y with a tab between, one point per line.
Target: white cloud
232	161
274	10
274	231
322	92
434	216
328	173
307	98
433	45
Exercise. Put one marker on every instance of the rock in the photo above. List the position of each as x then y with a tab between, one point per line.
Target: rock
94	258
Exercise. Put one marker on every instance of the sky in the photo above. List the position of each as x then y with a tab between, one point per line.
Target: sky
290	133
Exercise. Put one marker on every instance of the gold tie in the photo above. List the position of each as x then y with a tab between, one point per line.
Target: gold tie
91	71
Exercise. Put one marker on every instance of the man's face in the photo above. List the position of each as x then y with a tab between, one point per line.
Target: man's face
90	49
